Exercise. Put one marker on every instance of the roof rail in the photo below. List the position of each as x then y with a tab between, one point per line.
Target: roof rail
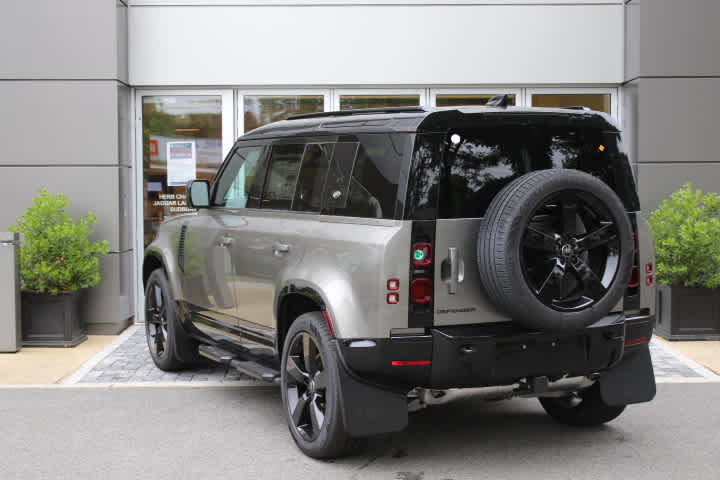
359	111
577	107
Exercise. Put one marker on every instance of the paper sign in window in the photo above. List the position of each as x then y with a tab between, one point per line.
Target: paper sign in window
181	163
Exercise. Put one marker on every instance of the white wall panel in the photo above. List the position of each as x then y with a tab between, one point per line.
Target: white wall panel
366	44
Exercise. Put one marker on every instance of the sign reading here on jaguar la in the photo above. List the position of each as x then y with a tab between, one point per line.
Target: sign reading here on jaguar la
181	163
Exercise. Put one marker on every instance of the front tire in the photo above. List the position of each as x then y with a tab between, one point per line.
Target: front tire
310	386
162	327
581	409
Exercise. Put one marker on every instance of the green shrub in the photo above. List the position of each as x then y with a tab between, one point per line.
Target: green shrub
686	232
57	254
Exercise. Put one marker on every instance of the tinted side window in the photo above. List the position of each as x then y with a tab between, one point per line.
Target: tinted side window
373	184
282	176
311	181
240	183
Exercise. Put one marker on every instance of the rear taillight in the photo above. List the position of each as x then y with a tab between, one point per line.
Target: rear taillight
421	264
421	290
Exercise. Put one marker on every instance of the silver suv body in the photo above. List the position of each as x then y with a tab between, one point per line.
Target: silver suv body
397	230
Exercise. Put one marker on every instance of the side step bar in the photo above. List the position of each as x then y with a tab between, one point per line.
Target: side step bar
248	367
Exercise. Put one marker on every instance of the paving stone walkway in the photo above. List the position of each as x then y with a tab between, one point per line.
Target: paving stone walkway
129	361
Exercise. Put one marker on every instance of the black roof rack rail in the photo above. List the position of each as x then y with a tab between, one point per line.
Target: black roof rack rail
577	107
358	111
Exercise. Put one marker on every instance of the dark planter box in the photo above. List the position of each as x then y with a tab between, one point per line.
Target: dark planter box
688	313
52	320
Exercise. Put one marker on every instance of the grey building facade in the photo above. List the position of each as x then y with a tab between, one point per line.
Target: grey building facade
73	73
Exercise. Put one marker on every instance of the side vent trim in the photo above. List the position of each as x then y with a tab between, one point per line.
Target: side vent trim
181	248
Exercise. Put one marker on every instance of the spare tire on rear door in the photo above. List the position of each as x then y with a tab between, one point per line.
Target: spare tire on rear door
555	250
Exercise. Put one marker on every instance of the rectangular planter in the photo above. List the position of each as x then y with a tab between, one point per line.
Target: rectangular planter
688	313
52	320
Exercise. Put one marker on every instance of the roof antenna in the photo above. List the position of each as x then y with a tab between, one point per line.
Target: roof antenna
501	101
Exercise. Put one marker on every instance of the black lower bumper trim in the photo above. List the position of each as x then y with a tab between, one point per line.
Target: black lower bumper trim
491	354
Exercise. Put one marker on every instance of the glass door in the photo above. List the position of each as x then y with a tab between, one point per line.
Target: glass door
184	136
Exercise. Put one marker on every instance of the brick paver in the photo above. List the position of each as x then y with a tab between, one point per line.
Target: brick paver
131	362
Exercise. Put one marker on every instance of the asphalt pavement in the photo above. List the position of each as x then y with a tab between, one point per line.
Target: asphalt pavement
223	432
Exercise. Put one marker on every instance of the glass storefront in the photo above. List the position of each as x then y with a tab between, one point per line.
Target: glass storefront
457	100
352	102
260	110
595	101
181	141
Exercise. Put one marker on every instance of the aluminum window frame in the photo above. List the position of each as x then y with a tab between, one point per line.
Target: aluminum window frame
612	91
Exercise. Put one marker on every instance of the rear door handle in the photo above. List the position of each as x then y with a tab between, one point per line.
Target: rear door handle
279	247
453	282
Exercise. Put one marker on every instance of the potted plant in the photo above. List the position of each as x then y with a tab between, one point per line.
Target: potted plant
57	261
686	232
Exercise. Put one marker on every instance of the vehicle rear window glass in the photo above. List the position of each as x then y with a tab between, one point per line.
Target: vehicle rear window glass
311	180
479	163
282	176
373	184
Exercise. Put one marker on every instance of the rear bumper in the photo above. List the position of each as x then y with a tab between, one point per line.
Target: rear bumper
493	354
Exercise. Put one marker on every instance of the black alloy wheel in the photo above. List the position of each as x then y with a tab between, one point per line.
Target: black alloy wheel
570	251
156	320
306	386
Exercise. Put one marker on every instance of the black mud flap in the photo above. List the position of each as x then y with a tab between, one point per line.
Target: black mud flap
630	381
370	410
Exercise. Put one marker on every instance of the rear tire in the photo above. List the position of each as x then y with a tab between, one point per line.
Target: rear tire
310	386
582	409
162	326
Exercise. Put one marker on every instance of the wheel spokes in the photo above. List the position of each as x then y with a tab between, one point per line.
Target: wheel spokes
539	240
317	417
320	380
551	288
569	208
308	347
591	282
299	409
295	372
598	237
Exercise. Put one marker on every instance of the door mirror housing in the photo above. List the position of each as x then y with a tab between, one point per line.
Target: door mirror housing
198	193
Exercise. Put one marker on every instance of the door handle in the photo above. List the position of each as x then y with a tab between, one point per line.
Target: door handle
225	241
453	281
279	248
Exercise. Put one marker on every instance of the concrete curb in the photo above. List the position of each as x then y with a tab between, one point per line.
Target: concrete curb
692	364
76	376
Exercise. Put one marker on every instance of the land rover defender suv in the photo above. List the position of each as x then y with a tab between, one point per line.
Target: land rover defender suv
374	262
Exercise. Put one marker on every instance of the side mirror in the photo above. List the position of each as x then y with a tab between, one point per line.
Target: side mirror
198	193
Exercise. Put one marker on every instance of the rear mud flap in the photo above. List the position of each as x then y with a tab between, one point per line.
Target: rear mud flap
369	410
630	381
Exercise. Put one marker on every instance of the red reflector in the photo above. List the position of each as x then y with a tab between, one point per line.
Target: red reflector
636	341
393	298
403	363
328	320
393	284
648	268
648	280
421	290
421	254
634	277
